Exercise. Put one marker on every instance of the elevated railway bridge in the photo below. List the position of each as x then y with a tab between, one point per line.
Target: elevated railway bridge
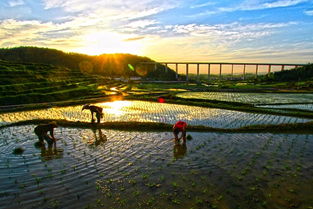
220	68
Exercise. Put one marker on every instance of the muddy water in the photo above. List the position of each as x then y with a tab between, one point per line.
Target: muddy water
155	112
120	169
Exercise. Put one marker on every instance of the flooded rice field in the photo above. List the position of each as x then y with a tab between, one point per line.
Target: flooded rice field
307	107
251	98
142	111
119	169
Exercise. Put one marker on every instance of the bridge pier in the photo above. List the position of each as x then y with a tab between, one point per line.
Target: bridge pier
232	71
198	71
257	69
187	71
209	69
220	76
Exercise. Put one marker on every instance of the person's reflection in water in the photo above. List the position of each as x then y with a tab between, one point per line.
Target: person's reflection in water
100	138
180	149
51	152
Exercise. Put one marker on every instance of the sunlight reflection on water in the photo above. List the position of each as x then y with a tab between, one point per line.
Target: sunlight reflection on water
142	111
101	167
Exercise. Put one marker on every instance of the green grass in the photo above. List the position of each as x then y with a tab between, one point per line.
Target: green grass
24	83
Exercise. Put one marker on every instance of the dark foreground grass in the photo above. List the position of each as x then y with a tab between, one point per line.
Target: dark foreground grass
162	127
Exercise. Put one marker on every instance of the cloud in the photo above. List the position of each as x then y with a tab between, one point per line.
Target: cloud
105	25
134	38
227	42
300	53
49	4
203	5
230	32
22	33
309	12
141	23
283	3
192	49
14	12
118	15
119	8
15	3
251	5
265	4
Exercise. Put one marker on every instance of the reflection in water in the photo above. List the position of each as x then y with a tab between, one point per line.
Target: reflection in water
116	107
141	111
51	152
99	138
179	150
226	170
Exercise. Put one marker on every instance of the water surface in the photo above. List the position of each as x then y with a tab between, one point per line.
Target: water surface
142	111
120	169
251	98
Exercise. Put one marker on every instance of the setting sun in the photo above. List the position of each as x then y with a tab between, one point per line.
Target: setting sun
96	43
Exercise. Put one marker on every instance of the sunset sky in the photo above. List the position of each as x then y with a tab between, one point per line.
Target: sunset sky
165	30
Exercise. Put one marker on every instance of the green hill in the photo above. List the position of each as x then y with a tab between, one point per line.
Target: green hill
36	75
22	83
112	65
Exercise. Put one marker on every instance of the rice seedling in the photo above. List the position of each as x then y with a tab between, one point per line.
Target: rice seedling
176	201
254	98
200	171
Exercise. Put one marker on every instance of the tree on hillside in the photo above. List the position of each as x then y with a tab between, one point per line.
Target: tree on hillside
297	74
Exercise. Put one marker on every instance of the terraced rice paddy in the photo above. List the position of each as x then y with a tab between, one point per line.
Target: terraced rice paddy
307	107
120	169
251	98
155	112
94	168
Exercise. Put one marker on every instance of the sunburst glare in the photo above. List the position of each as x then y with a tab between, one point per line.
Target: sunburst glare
116	107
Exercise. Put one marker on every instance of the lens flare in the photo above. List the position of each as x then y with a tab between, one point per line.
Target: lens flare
131	67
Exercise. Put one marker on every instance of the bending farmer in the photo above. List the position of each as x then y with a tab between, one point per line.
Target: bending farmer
180	126
42	132
94	109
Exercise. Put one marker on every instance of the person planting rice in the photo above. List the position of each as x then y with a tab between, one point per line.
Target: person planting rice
180	126
94	109
42	132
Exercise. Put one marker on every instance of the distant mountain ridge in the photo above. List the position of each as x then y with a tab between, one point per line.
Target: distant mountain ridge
113	65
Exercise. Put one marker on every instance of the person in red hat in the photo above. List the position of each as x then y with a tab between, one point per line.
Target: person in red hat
180	126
